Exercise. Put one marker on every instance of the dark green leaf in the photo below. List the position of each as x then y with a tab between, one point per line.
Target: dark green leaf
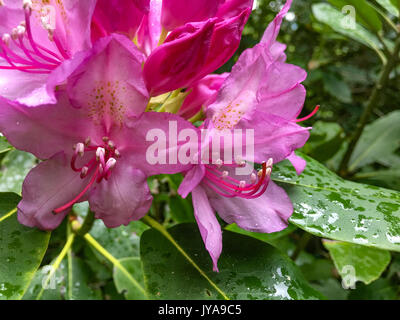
248	268
21	250
123	282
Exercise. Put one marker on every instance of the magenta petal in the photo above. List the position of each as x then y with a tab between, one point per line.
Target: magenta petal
208	224
268	213
232	8
298	163
124	197
202	94
47	187
110	79
149	32
192	179
118	16
176	13
179	60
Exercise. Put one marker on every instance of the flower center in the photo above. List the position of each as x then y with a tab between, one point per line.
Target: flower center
21	52
99	166
229	187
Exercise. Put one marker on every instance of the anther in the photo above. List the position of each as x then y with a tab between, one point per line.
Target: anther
80	149
219	163
87	141
6	38
105	139
242	184
270	162
21	31
111	144
84	172
1	3
14	34
225	174
117	153
253	177
27	5
100	152
110	164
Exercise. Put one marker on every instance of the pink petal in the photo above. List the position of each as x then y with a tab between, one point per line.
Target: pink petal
125	197
179	60
48	186
191	180
232	8
202	94
208	224
148	35
118	16
271	33
176	13
45	130
298	163
109	81
268	213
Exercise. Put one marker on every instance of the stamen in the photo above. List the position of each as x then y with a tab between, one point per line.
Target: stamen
84	172
79	196
219	163
225	174
310	115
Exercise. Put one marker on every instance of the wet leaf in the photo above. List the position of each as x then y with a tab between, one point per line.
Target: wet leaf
4	145
123	281
15	166
330	207
248	268
367	263
387	4
21	250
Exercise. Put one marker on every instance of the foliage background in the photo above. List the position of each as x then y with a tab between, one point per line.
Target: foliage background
341	75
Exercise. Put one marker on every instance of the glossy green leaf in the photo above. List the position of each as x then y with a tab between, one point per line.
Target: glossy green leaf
379	140
336	87
384	178
329	15
381	289
123	282
248	268
121	242
330	207
395	3
367	263
21	250
16	165
365	14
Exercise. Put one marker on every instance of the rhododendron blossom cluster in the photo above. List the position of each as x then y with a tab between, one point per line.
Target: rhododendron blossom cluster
85	86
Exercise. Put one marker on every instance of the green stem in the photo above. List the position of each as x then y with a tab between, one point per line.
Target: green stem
86	225
197	117
157	226
57	262
117	264
372	103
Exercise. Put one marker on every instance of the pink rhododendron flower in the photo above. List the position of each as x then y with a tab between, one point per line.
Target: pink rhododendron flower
93	140
183	41
36	39
261	93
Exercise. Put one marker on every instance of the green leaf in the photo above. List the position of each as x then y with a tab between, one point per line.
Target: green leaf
121	242
16	165
327	14
248	268
381	289
395	3
389	7
271	238
337	88
325	140
54	290
367	263
384	178
77	280
365	14
379	140
330	207
122	280
4	145
21	250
